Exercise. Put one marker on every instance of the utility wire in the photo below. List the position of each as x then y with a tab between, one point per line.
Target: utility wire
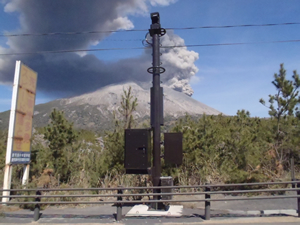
68	51
145	30
233	26
237	43
139	48
68	33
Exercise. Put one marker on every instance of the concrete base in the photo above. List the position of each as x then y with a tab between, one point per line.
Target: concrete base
143	210
289	212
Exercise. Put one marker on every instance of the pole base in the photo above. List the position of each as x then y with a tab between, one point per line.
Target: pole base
158	206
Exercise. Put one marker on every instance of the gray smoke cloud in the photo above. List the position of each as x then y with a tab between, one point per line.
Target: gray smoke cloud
73	74
179	63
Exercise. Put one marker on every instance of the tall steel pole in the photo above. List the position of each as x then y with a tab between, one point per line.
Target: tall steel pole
156	100
156	109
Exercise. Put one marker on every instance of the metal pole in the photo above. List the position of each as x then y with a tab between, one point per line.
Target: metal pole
298	199
207	203
36	215
119	206
155	32
292	171
156	105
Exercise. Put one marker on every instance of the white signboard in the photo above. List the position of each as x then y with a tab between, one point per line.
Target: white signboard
20	123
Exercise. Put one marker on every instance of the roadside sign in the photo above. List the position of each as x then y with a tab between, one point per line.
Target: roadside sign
20	124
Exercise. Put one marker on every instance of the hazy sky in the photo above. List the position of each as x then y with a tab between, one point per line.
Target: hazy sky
225	77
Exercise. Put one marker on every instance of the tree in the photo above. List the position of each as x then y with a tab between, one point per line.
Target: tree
59	132
221	149
3	143
61	135
282	107
128	106
114	141
285	101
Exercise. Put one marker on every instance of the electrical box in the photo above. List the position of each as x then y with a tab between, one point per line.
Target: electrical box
137	158
173	148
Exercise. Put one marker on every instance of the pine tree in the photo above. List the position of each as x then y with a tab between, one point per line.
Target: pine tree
284	102
114	141
128	106
282	106
59	132
61	135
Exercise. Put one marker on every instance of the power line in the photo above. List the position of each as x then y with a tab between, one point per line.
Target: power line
237	43
145	30
68	51
69	33
140	48
233	26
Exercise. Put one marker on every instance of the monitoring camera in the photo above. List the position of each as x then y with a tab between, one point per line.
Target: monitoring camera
155	18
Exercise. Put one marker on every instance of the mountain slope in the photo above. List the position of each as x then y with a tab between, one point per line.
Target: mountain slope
95	110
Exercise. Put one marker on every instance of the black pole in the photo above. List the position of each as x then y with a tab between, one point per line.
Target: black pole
119	205
207	203
36	214
156	104
298	199
292	171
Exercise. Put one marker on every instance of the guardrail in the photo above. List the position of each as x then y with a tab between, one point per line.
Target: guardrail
208	191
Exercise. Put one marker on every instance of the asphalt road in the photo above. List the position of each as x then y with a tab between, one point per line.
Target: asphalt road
105	215
271	211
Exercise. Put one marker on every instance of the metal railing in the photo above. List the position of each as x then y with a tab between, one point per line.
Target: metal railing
208	191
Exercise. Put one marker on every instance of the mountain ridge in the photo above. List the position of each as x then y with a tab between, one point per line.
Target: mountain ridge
95	110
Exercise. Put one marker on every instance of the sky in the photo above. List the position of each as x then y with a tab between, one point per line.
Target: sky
226	77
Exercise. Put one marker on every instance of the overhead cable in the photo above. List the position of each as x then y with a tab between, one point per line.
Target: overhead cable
139	48
233	26
145	30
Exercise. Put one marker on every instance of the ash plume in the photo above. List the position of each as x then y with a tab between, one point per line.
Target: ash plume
70	74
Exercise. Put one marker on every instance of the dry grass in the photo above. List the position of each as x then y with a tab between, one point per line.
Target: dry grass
4	208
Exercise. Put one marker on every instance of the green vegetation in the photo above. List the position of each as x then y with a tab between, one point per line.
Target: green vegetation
3	142
283	109
217	149
114	141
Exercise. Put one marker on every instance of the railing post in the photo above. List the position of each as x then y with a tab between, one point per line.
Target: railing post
298	199
207	203
36	215
292	171
119	205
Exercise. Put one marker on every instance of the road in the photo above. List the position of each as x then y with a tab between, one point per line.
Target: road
225	212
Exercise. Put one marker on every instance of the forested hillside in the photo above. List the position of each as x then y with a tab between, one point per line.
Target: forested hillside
217	149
